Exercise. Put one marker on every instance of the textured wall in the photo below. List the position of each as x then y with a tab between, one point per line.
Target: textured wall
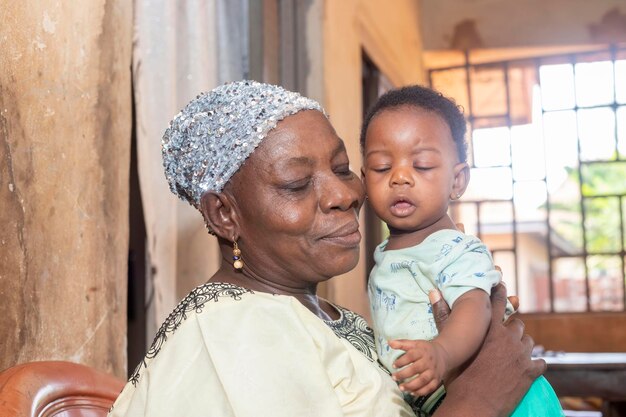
65	120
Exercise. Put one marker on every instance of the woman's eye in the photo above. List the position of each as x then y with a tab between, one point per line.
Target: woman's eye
296	186
343	170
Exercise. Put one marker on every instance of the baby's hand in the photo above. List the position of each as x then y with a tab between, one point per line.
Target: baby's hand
426	361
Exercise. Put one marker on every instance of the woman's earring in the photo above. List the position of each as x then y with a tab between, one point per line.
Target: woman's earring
237	262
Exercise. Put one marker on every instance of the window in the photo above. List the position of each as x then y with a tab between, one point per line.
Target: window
547	141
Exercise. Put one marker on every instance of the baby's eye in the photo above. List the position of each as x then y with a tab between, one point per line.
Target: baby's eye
423	167
380	169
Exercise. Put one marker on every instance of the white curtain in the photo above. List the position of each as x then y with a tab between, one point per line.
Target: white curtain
181	48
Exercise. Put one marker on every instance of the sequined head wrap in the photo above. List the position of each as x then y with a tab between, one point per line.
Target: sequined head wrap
209	140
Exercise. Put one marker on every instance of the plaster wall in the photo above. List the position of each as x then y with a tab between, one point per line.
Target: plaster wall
65	121
462	24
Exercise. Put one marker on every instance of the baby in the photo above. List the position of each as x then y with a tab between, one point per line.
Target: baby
414	164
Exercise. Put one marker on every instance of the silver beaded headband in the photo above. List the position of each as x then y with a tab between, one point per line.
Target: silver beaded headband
209	140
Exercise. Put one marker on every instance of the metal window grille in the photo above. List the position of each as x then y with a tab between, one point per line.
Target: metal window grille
564	116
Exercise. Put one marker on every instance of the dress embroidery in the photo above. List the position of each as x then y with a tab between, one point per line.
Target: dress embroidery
353	328
194	301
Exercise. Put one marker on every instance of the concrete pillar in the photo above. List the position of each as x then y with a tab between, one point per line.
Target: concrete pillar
65	124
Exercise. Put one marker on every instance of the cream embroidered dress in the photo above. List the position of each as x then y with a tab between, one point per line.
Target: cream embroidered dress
227	351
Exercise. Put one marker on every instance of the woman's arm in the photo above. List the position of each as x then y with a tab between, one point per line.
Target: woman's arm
497	378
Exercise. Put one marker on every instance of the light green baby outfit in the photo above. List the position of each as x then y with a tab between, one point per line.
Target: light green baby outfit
398	289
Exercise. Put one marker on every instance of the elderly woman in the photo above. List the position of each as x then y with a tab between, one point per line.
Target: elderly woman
272	179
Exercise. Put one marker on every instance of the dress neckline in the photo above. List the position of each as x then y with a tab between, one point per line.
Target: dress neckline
337	308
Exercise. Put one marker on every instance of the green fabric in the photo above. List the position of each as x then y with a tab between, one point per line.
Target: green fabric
539	401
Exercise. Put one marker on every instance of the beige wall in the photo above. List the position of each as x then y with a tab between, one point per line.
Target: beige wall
65	120
505	24
493	30
390	36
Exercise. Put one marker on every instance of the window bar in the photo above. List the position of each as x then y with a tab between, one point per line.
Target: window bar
623	251
470	117
551	257
430	78
470	109
509	124
510	61
580	188
479	232
621	197
613	51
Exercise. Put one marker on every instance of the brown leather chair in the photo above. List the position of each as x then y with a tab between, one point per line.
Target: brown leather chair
56	389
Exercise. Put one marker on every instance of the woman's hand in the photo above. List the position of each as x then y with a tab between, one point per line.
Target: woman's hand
496	379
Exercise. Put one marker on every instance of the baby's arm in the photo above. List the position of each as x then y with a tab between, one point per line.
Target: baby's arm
431	361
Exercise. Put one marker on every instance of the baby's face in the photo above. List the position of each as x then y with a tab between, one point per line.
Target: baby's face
410	167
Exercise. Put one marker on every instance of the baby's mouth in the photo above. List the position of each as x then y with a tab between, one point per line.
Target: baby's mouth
402	207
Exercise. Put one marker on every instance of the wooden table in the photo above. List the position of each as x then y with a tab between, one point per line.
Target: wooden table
600	375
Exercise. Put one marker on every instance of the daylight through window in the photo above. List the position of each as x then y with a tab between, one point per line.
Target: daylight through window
547	194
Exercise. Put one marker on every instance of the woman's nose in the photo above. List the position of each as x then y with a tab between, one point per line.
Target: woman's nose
342	194
401	176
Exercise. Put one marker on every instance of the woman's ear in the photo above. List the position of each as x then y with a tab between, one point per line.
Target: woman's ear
220	214
461	180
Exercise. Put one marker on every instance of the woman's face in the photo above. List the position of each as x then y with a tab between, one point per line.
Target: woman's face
299	204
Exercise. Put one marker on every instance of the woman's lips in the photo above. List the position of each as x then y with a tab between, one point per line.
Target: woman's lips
402	208
348	235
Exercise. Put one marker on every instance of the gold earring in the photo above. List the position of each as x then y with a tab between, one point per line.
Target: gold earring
237	262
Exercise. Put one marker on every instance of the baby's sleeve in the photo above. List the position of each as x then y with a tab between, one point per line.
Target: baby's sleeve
464	266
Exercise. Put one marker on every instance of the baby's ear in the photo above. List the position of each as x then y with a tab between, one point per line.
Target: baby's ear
461	180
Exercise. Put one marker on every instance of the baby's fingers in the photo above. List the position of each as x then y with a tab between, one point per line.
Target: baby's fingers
427	389
422	384
411	352
409	371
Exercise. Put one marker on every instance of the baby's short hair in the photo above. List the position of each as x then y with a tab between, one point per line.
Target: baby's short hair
429	100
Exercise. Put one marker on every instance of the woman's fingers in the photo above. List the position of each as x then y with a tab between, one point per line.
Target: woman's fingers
498	302
517	326
441	310
513	299
538	367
